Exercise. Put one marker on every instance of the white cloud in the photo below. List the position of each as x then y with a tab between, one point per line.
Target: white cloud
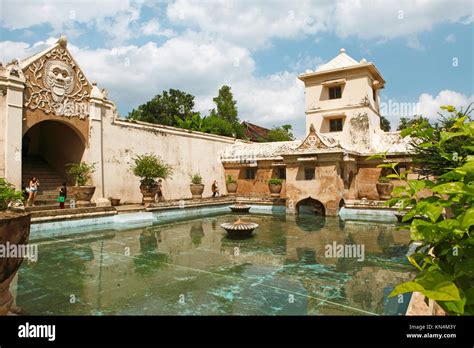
429	105
306	62
390	19
414	42
255	24
248	23
147	70
450	38
11	49
153	28
20	14
113	17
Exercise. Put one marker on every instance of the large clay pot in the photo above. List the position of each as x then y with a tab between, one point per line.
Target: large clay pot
384	190
82	194
114	202
231	188
14	230
275	190
196	190
149	192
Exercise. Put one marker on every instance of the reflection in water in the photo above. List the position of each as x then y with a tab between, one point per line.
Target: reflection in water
196	233
144	271
310	223
148	259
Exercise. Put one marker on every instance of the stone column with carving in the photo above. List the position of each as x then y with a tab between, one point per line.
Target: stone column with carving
12	85
95	153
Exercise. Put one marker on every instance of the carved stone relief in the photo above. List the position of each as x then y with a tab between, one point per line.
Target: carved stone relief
55	85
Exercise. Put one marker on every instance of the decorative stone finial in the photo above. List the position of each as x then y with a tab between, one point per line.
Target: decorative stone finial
342	50
311	128
62	41
94	83
363	60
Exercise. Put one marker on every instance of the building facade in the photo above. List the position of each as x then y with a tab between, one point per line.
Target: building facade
52	115
330	165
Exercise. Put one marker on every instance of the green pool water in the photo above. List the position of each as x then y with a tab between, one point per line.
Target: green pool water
190	267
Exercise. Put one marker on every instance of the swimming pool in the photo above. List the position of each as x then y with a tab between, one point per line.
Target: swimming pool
293	265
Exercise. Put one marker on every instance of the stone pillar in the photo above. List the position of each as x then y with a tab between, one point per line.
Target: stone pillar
95	151
12	85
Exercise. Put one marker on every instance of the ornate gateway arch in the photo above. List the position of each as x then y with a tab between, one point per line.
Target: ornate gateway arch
56	90
50	116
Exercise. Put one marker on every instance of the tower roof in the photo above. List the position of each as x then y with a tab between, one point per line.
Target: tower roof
342	60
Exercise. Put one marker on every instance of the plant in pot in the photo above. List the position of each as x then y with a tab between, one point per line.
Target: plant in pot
196	186
275	185
384	188
148	168
9	196
231	184
15	232
81	172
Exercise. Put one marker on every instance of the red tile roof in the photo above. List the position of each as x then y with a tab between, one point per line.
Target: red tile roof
254	132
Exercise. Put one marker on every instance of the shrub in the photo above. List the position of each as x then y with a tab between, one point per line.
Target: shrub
8	194
150	167
230	179
81	172
443	223
196	179
274	181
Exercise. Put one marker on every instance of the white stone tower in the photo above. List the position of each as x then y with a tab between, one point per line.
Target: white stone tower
342	100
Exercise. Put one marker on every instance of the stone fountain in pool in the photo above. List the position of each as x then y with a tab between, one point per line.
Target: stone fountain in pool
239	229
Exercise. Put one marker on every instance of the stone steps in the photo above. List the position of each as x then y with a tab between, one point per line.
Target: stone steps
50	180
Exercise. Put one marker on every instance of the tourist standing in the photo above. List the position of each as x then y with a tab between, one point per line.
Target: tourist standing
215	189
33	190
62	195
160	191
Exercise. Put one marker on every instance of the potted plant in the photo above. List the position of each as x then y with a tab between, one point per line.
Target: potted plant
150	167
384	188
81	172
275	185
14	231
9	196
196	186
231	184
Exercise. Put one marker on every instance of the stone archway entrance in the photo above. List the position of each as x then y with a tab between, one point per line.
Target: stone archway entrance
46	149
310	206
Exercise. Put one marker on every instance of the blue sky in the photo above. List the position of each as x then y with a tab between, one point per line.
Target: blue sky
136	49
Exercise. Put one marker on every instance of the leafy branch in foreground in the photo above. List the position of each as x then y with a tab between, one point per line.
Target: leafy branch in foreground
442	221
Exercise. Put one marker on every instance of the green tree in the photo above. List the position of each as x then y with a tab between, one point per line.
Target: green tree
407	122
283	133
443	221
217	125
432	156
194	122
226	108
385	124
169	109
